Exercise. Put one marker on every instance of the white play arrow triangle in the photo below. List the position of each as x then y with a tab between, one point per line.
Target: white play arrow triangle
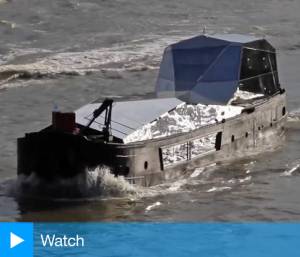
15	240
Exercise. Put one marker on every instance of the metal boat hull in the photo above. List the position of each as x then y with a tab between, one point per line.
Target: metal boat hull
52	155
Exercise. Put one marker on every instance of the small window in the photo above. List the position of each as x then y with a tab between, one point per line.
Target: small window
283	111
246	134
258	128
271	124
218	141
145	165
232	138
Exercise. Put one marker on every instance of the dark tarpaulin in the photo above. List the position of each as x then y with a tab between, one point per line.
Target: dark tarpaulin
205	69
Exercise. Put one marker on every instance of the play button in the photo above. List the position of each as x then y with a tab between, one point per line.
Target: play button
15	240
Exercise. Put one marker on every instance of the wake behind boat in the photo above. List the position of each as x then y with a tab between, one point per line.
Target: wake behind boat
218	98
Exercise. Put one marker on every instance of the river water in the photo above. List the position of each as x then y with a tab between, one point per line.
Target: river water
69	52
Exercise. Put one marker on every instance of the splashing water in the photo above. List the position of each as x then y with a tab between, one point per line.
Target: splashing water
294	116
99	183
203	172
102	182
152	206
197	172
289	172
95	183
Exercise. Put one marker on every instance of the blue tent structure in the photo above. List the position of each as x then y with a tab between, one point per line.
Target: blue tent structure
209	69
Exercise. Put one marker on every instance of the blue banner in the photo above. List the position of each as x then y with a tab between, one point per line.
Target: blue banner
151	239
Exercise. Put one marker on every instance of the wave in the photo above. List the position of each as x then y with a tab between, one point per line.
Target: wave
94	183
100	184
218	189
9	24
240	180
291	170
152	206
294	116
207	180
135	56
15	53
200	171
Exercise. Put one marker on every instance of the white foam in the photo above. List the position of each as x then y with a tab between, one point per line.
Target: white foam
177	185
12	25
19	52
102	181
248	178
217	189
290	171
211	165
152	206
294	116
231	181
197	172
136	55
96	183
238	181
250	163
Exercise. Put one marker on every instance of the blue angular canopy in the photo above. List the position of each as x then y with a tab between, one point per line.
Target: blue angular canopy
205	69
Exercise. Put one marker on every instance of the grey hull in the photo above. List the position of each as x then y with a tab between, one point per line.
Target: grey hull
260	128
51	155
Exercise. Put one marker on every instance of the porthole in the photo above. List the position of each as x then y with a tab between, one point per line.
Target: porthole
145	165
258	128
232	138
271	124
283	110
246	134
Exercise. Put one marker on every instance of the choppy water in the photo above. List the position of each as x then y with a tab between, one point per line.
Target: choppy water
68	52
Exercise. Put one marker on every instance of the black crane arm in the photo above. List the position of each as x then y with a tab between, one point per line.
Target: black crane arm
105	106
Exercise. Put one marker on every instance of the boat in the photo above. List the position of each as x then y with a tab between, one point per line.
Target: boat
217	98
